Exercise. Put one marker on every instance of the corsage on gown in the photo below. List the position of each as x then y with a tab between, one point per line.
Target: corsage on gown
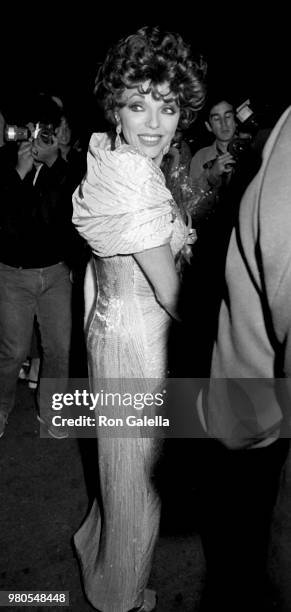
123	207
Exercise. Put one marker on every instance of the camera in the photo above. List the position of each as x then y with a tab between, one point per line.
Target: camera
238	146
247	120
15	133
247	128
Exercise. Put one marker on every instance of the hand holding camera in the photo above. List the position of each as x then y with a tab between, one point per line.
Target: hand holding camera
222	164
36	143
25	159
239	146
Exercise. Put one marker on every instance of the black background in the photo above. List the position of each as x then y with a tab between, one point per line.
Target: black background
56	48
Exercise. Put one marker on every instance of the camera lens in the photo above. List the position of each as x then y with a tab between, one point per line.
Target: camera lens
238	146
14	133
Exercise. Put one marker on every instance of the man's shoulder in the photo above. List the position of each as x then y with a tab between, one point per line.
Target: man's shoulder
206	153
201	157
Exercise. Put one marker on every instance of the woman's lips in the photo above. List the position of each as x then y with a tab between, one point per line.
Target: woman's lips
149	141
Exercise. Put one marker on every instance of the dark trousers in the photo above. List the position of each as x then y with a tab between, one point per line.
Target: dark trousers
24	293
239	490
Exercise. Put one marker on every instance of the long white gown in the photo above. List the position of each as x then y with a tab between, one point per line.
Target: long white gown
121	208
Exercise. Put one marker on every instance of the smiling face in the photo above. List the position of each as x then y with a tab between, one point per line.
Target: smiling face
147	123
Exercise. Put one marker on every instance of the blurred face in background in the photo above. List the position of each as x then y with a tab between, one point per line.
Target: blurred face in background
147	123
222	122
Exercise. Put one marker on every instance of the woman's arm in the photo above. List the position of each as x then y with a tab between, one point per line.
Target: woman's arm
159	267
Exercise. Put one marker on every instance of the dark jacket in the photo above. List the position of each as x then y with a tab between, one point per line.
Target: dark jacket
35	220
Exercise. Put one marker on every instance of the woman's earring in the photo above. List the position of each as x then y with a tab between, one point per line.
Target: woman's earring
166	149
117	138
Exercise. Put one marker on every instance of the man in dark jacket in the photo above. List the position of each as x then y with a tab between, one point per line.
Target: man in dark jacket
37	242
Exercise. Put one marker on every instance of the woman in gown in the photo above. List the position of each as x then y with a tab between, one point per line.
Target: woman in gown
149	85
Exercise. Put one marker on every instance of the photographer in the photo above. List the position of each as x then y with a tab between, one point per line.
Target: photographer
226	167
37	250
229	156
212	162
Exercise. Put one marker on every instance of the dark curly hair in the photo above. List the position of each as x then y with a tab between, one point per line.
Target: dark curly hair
158	57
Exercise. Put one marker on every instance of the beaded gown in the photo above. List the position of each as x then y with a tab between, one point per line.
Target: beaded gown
123	207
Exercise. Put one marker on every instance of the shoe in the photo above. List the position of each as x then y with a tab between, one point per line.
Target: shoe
32	384
150	601
3	423
59	433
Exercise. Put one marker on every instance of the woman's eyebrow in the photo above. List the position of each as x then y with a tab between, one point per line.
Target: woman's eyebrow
136	93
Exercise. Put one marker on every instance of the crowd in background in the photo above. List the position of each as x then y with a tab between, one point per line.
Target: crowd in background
213	206
44	262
